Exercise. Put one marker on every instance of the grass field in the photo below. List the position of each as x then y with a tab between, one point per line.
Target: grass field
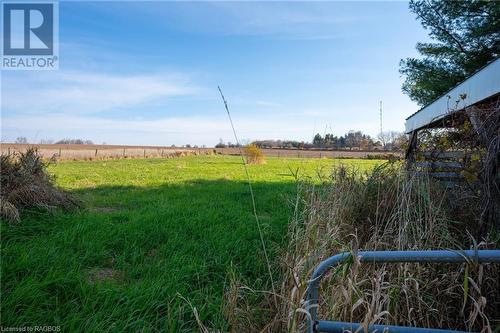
153	230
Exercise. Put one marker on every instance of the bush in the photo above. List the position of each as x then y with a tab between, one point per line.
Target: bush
253	154
25	183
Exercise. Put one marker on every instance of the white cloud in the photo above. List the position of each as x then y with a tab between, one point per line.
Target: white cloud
281	20
266	103
78	93
165	131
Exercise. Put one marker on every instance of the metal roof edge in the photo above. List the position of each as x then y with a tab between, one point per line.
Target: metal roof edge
449	90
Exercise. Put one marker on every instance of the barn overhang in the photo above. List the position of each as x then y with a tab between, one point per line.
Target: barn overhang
481	86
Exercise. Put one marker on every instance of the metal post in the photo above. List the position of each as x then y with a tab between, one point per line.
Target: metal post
337	326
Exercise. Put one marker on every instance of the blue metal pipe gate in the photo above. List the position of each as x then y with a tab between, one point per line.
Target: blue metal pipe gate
440	256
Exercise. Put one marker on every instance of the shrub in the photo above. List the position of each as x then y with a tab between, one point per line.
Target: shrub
253	154
25	183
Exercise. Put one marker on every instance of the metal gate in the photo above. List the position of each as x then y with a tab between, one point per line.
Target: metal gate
439	256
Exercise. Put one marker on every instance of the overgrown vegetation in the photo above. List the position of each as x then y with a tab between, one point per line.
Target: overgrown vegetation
25	184
380	210
475	137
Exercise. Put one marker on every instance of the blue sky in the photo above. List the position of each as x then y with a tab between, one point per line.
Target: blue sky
147	72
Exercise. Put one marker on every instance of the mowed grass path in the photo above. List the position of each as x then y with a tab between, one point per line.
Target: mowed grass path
151	230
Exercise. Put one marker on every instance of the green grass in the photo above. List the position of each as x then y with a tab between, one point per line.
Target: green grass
160	228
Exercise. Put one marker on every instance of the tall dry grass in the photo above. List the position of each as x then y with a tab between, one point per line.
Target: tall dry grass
381	210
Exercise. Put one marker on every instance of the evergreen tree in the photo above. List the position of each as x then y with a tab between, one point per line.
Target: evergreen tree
467	37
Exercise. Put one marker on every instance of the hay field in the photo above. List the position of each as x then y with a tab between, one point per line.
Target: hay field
96	152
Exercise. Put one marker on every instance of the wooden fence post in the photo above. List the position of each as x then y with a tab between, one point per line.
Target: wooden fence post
95	153
144	153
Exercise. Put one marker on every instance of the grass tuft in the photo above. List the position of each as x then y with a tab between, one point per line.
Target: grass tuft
253	154
25	183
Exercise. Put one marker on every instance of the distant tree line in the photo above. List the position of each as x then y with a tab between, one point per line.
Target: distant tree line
357	140
282	144
352	139
74	142
228	144
67	141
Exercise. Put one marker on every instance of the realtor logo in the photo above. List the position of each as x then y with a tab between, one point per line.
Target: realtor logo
30	35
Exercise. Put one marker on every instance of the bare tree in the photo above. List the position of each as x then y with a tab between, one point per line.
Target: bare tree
384	138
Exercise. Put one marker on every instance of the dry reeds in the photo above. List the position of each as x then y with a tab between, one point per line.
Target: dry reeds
382	210
25	183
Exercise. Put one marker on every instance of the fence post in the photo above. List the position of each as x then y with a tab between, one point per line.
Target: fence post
123	152
162	153
95	153
9	151
144	153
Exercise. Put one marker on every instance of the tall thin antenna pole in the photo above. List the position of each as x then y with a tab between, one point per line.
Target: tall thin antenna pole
381	130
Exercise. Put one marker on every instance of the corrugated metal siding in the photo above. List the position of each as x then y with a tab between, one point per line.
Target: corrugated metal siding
480	86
